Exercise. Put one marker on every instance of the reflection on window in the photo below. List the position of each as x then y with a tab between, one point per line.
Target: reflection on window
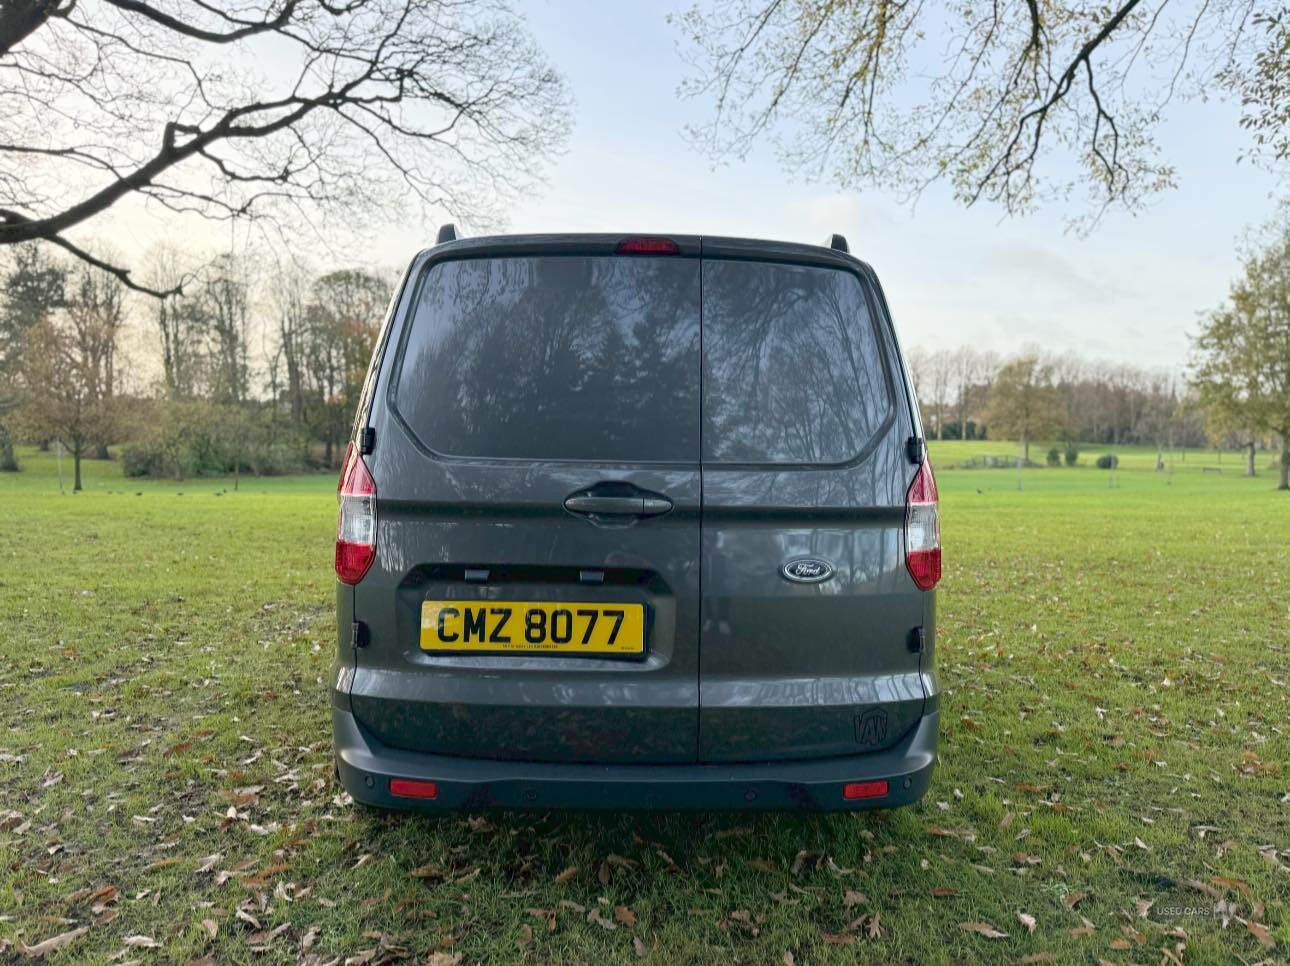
792	369
556	357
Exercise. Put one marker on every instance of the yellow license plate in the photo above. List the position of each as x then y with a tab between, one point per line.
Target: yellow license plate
532	626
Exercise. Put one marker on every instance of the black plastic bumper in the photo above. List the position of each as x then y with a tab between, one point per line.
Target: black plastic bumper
366	767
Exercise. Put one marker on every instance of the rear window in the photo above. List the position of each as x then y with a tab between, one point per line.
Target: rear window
555	357
792	367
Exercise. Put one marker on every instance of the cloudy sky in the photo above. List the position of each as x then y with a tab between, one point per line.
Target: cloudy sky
1131	292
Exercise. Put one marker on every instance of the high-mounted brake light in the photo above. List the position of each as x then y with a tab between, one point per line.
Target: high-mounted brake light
923	529
647	246
356	524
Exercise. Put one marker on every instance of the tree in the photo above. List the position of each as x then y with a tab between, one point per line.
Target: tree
178	323
96	313
31	290
60	401
1024	404
371	105
1013	103
1242	363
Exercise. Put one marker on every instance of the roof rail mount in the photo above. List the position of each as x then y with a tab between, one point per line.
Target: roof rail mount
448	232
839	243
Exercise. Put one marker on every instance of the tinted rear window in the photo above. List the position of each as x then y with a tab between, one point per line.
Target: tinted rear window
556	357
792	368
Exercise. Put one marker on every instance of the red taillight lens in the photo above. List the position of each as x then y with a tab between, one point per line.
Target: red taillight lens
411	788
356	524
853	790
647	246
923	529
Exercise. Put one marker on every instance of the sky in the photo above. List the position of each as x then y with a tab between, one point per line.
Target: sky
1130	292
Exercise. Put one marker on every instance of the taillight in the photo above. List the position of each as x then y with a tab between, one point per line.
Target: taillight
356	524
647	246
923	529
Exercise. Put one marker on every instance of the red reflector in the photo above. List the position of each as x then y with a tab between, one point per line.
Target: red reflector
647	246
854	790
410	788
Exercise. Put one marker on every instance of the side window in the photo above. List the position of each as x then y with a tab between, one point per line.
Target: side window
556	357
792	371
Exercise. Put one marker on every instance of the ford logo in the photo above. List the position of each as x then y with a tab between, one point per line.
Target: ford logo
807	570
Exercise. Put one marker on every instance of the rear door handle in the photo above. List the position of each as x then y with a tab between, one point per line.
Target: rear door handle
635	506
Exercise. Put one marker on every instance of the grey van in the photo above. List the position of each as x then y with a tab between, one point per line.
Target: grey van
636	522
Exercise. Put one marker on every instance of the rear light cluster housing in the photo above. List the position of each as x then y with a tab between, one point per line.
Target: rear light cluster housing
923	529
356	522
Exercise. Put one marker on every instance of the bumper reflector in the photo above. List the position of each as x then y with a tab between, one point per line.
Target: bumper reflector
854	790
409	788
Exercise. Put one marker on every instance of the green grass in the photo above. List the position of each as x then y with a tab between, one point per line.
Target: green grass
1115	660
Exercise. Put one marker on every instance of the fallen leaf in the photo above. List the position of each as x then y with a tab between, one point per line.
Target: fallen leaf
943	892
1073	899
1027	920
212	928
1260	932
838	938
566	875
625	916
639	947
53	943
141	942
984	929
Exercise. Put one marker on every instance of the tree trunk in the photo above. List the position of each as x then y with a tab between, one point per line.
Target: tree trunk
76	471
1025	448
8	461
1285	462
1249	458
101	452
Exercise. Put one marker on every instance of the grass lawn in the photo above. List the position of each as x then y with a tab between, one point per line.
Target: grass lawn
1115	752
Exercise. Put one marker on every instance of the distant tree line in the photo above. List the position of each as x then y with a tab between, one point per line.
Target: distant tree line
256	367
967	393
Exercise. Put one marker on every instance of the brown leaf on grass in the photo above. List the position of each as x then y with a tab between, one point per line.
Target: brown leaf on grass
178	749
788	959
429	871
761	865
102	898
639	947
526	935
1260	932
444	959
595	916
943	892
211	928
566	875
872	928
1027	920
53	943
1204	887
851	898
837	938
1230	883
1121	944
1144	906
983	929
141	942
804	858
1073	899
1039	958
625	916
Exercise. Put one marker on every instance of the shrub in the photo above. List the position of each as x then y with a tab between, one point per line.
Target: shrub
1071	454
1054	457
193	438
1108	461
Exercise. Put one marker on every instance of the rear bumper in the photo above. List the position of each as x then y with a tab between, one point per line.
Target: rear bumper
366	767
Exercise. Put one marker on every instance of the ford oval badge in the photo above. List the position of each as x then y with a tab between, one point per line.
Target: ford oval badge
807	570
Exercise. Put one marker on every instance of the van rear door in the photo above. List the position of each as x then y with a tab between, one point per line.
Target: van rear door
808	612
535	593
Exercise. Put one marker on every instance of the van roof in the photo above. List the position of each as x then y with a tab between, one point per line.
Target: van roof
604	243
